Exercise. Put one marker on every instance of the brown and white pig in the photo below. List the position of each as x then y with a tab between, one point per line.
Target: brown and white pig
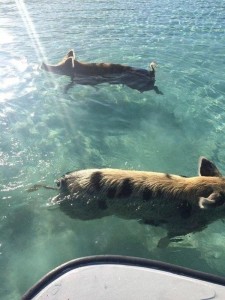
181	205
97	73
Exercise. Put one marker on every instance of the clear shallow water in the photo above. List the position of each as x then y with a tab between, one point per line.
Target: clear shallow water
45	133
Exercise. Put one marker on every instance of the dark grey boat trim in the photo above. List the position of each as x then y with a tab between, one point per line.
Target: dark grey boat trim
119	260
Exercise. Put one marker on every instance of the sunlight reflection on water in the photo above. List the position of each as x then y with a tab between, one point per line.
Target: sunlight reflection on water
46	133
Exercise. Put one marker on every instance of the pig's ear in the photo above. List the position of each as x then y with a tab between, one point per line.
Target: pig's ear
207	168
69	54
214	200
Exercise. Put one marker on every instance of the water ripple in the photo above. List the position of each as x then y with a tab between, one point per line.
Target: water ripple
45	133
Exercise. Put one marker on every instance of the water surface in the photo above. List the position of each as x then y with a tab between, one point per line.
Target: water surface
45	133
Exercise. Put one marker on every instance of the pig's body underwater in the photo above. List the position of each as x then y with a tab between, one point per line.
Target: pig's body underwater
179	204
96	73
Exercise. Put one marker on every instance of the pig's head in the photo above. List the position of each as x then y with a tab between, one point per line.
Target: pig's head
79	196
81	183
64	67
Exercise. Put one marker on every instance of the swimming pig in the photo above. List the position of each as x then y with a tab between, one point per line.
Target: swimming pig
181	205
96	73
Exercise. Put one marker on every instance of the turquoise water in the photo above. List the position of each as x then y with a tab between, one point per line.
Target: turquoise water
45	133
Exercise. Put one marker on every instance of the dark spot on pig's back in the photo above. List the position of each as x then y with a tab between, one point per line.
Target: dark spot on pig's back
126	188
96	180
111	192
168	176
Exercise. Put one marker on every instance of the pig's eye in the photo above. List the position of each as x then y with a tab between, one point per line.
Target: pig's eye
58	183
